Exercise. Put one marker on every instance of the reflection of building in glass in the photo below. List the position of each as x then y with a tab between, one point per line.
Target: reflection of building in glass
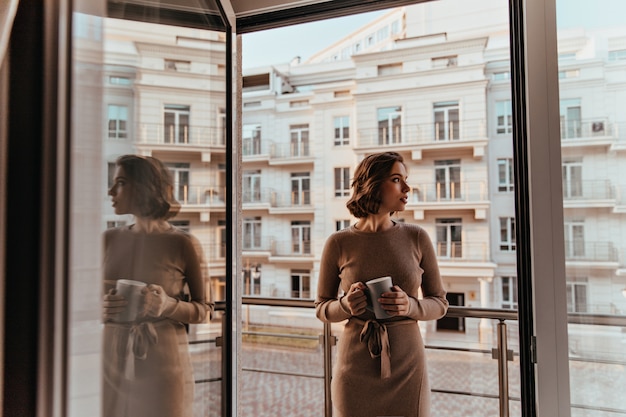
437	93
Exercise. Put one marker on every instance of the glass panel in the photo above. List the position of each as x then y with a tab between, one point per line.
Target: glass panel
158	88
593	136
451	134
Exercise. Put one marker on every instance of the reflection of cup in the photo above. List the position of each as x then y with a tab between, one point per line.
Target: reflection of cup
131	291
376	287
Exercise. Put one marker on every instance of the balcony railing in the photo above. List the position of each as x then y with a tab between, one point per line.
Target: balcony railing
291	248
462	251
590	252
290	150
589	190
286	348
423	134
159	134
576	129
291	199
201	195
464	191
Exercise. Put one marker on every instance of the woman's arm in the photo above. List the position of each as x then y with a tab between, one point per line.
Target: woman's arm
328	307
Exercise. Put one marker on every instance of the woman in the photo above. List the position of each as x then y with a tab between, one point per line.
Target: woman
147	369
381	366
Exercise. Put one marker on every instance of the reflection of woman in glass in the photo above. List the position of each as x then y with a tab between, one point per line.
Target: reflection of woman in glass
146	365
381	365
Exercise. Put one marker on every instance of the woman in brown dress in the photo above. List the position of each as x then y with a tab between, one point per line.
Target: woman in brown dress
381	366
146	364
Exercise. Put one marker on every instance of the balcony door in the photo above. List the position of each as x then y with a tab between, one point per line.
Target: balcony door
449	238
176	123
446	117
448	179
389	125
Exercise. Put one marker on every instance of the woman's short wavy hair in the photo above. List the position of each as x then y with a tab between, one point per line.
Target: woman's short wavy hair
368	177
153	188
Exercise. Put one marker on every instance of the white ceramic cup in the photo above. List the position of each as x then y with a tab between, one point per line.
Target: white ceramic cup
376	287
131	291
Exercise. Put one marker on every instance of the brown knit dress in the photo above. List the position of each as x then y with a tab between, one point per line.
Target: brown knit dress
146	364
372	378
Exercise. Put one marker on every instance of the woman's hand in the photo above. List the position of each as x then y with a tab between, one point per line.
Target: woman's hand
396	302
156	300
113	305
356	299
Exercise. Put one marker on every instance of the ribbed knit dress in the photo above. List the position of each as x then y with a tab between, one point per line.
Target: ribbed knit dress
371	378
147	369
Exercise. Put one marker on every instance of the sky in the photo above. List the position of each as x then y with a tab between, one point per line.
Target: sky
304	40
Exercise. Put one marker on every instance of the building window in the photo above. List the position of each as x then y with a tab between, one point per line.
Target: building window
577	295
389	125
182	191
505	175
504	117
252	279
502	76
251	233
446	116
574	239
177	65
507	234
118	121
251	139
300	283
571	118
299	140
572	179
301	237
509	293
300	188
342	224
342	130
448	179
115	223
176	123
342	182
110	174
449	238
382	33
251	187
116	80
569	74
617	55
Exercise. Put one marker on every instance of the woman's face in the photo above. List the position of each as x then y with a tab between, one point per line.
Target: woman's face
394	191
121	192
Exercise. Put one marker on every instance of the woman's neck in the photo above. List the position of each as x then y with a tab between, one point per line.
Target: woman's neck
151	225
374	223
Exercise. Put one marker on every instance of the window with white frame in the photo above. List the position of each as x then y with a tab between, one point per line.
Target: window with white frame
505	175
252	233
342	224
117	121
446	117
299	135
507	234
574	231
300	283
115	223
183	192
342	182
617	55
252	279
571	118
504	116
572	179
577	292
251	186
176	123
177	65
509	292
448	179
449	235
301	237
389	125
251	139
221	239
300	188
342	130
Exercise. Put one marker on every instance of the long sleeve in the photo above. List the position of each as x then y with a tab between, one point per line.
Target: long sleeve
433	304
328	307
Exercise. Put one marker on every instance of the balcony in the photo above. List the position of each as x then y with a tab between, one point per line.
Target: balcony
290	153
420	139
589	194
465	259
590	255
201	199
202	139
592	133
291	202
286	348
255	149
291	251
466	195
257	246
256	199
